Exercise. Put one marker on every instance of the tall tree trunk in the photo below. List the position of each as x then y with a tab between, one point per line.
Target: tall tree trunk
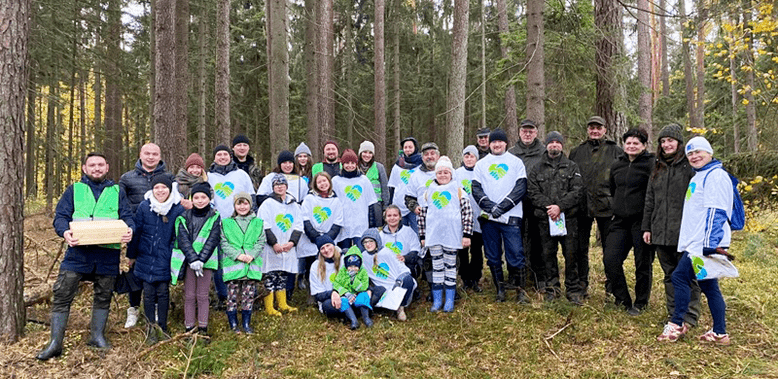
51	143
113	100
379	99
606	19
278	75
536	83
31	174
169	134
751	132
645	99
222	87
734	19
13	87
82	79
71	116
153	65
482	10
98	120
176	157
396	84
702	12
691	105
456	95
202	138
665	69
324	43
311	78
511	117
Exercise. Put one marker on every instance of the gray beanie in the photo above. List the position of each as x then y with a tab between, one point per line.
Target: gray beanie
366	146
470	149
302	148
555	136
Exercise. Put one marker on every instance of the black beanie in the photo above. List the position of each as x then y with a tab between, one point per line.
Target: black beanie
240	138
220	148
285	156
164	179
498	135
203	187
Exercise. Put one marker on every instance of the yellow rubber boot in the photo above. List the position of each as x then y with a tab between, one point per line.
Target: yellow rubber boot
282	305
269	306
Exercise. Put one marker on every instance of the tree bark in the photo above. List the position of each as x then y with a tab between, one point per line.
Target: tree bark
751	132
152	65
606	19
482	11
222	87
665	65
456	96
379	100
645	99
278	75
175	157
536	86
702	12
169	135
511	117
324	43
311	78
31	173
113	103
396	121
50	142
83	77
14	18
691	105
734	19
202	138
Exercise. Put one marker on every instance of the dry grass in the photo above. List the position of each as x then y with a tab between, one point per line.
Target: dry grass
481	339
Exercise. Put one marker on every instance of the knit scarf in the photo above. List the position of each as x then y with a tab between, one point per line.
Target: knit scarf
163	208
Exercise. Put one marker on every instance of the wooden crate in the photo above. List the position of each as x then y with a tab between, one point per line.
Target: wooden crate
98	232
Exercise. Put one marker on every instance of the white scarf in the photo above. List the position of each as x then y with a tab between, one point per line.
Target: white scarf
163	208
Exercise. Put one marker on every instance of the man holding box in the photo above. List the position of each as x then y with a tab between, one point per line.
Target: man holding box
93	198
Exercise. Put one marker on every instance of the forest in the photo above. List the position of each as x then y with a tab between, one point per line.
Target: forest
111	75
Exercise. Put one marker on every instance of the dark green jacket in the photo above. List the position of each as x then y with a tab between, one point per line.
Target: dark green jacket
530	154
664	201
555	182
594	159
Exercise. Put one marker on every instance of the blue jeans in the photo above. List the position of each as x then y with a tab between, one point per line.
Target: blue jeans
682	281
410	220
496	235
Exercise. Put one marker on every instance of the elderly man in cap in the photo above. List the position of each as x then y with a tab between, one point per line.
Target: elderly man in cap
530	150
499	184
422	177
244	160
594	158
482	142
555	187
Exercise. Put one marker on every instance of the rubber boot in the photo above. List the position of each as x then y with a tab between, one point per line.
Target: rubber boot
366	317
203	331
512	278
451	291
437	297
282	305
246	316
151	335
352	318
521	282
499	285
59	321
232	319
269	305
97	328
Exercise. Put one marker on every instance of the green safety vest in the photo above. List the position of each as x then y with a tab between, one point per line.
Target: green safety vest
178	258
319	167
86	208
232	268
372	174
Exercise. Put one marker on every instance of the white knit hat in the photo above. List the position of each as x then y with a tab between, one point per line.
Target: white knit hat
366	146
699	144
444	163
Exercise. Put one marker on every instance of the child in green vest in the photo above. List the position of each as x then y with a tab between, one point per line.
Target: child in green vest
352	283
195	256
242	241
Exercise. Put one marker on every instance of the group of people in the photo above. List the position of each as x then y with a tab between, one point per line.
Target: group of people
353	236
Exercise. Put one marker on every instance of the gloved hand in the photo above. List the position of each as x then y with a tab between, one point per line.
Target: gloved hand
197	267
496	212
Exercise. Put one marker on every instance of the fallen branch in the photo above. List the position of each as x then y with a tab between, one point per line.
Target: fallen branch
552	350
175	338
38	294
54	263
568	322
38	245
189	357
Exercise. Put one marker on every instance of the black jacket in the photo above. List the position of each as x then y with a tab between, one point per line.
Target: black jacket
137	182
193	225
530	154
555	182
664	201
594	159
628	183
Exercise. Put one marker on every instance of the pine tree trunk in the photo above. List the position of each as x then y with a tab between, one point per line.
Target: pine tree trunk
82	79
31	174
222	87
113	102
751	132
71	116
324	62
606	19
379	100
202	137
702	12
511	118
98	131
169	134
175	157
13	89
733	85
396	121
536	86
152	66
278	75
665	69
50	143
645	99
311	78
456	95
482	10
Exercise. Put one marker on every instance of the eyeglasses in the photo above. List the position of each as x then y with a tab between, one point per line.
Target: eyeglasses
595	126
483	137
529	130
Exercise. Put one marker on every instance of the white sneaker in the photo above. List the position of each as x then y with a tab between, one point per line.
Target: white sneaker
132	317
401	314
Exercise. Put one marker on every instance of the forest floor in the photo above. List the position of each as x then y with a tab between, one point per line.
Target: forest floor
481	339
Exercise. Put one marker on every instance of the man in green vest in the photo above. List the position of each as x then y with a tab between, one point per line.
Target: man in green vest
330	164
93	198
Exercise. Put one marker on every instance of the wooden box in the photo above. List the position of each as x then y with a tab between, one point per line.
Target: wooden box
98	232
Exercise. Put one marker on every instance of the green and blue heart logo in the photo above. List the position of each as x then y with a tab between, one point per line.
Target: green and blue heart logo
467	185
405	175
332	277
441	199
284	221
354	192
690	190
497	171
381	270
699	268
397	247
427	185
321	214
223	190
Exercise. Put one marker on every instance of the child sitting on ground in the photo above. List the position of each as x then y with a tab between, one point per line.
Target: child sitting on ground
352	283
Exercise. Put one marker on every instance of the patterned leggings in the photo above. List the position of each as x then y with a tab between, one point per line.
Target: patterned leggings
275	280
444	266
247	290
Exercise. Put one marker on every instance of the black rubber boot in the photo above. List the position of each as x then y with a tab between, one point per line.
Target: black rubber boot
232	319
366	317
97	328
246	315
352	318
499	283
513	275
59	321
521	283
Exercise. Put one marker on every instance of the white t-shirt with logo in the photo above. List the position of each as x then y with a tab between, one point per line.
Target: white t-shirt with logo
497	175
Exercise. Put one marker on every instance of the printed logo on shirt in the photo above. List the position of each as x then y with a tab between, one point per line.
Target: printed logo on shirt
497	171
332	277
405	175
397	247
381	270
223	190
690	190
321	214
699	268
427	185
354	192
441	199
284	221
467	186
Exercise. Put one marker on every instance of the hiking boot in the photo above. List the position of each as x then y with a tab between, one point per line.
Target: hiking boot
715	338
672	332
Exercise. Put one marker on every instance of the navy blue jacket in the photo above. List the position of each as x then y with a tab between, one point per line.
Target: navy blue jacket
152	243
90	259
137	182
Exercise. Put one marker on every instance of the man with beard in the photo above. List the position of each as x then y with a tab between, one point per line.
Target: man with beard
423	177
244	160
330	164
555	188
93	198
